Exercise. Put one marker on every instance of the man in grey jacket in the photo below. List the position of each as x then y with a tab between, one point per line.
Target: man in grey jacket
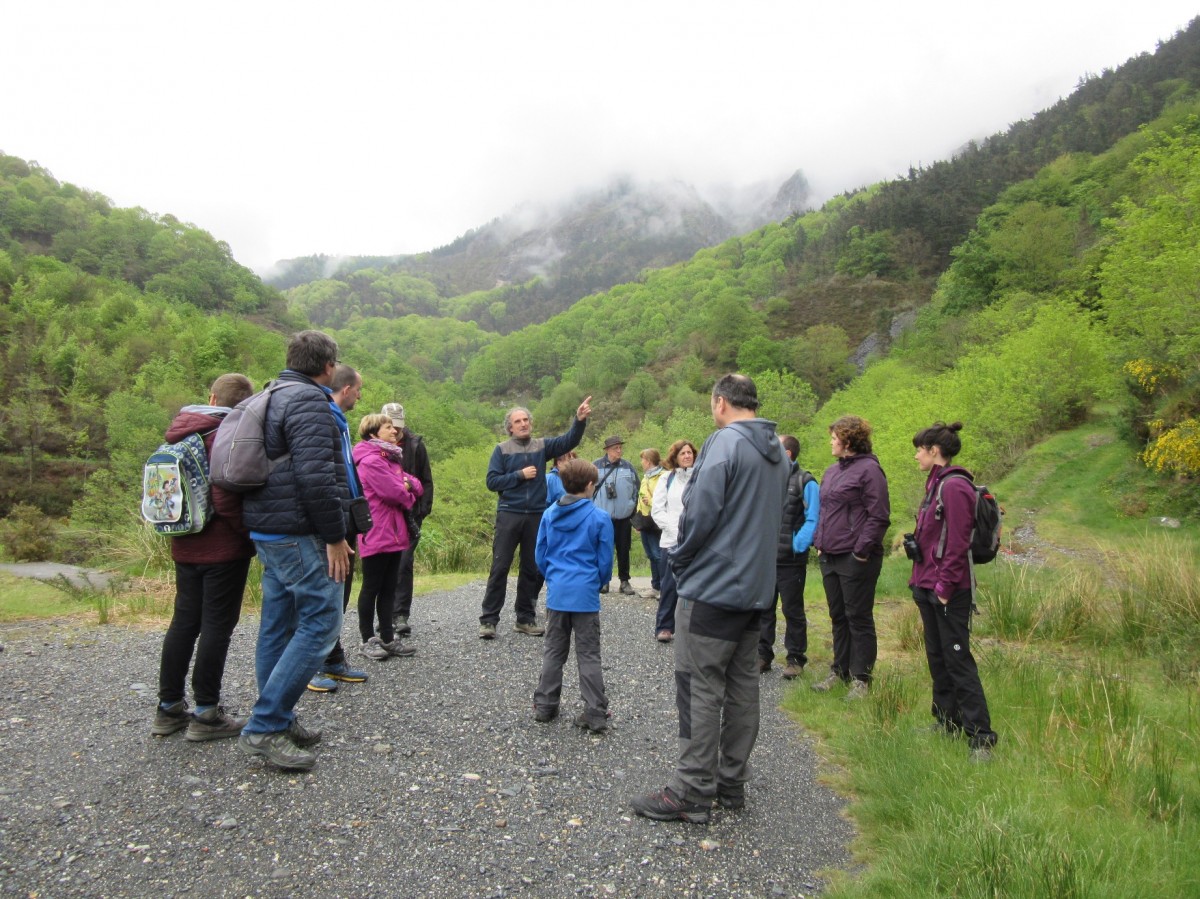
724	567
616	494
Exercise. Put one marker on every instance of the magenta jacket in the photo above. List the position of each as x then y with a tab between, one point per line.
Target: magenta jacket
389	491
855	509
951	572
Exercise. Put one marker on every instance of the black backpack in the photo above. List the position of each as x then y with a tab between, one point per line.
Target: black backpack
985	532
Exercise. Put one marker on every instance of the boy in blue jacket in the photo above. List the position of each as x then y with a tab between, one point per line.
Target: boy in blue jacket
575	554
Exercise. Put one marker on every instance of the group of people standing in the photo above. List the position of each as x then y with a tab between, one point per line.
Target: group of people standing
727	530
301	526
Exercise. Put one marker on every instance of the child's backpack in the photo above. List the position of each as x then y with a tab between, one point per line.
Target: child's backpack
176	493
239	452
985	533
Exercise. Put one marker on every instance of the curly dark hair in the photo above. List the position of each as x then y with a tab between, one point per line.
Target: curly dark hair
673	453
853	432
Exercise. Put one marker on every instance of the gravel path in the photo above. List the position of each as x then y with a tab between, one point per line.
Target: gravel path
432	780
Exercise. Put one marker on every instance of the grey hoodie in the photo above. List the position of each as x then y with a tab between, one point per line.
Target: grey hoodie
732	510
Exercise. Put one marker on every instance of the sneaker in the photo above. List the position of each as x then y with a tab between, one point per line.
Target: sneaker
859	689
733	802
666	806
792	671
664	636
604	589
543	716
650	594
302	736
828	684
980	755
399	648
627	588
374	649
581	721
764	665
278	749
171	719
344	673
529	627
487	632
400	622
213	724
322	684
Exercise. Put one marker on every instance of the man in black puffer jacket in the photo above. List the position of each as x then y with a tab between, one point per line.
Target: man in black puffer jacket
298	524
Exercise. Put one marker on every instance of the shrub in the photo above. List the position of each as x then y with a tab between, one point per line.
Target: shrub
29	534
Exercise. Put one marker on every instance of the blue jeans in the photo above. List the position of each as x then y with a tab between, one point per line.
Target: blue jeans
301	621
650	545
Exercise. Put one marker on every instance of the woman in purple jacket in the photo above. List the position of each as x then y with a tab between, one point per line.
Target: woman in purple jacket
942	582
389	492
855	514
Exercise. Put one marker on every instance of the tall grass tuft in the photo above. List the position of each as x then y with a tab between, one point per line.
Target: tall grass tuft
1158	592
1010	600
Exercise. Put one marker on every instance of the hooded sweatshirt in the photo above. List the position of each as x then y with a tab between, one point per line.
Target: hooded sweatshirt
575	554
225	539
732	511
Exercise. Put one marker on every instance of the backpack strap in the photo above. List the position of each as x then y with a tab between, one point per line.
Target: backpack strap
938	508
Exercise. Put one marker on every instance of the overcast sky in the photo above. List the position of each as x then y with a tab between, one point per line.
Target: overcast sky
294	128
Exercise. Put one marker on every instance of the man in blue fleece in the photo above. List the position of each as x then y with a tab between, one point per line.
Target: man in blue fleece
517	472
724	567
575	553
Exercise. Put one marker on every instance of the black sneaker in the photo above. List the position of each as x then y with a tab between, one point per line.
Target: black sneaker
627	588
666	806
278	749
171	719
301	735
213	724
581	721
543	716
401	625
733	802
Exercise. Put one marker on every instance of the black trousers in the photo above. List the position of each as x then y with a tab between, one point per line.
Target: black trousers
850	593
958	700
375	598
789	590
337	655
513	529
404	584
622	540
208	604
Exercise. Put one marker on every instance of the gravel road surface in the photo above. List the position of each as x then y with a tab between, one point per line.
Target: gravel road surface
432	780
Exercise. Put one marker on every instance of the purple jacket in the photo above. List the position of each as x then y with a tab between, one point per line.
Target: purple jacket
951	572
389	491
855	510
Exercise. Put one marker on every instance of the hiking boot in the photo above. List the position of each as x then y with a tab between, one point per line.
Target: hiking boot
650	594
529	627
733	802
828	684
792	671
399	648
859	689
173	718
664	636
543	716
322	684
278	749
666	806
764	665
344	673
301	735
213	724
627	588
604	589
374	649
581	721
487	632
400	622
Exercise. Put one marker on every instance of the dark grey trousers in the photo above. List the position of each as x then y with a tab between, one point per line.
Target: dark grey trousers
716	693
586	626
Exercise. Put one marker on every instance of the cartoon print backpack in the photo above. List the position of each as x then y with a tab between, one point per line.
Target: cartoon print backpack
176	491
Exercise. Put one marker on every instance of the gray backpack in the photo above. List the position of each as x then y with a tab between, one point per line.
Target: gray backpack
238	461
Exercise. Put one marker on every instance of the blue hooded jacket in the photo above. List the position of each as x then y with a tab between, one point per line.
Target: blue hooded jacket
575	554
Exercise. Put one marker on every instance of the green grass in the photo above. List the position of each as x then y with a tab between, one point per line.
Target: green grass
24	598
1091	665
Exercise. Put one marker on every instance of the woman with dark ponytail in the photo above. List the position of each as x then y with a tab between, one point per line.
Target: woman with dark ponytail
942	585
